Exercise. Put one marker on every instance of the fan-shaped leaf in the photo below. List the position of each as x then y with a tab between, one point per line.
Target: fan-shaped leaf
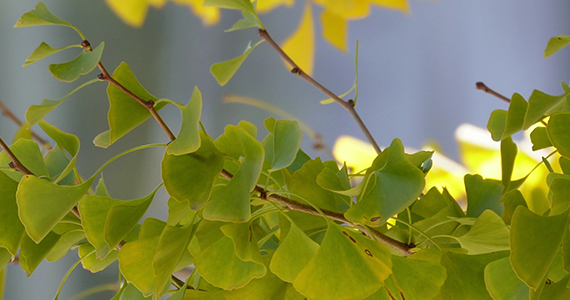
224	71
44	50
188	139
83	64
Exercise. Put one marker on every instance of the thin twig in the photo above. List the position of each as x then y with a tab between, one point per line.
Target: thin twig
148	104
348	105
296	206
8	113
16	164
481	86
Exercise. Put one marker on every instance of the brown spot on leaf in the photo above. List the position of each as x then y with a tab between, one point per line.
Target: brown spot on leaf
368	252
375	219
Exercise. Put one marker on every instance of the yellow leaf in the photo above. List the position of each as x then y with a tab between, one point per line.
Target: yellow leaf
157	3
209	15
335	29
300	46
132	12
347	9
401	5
264	6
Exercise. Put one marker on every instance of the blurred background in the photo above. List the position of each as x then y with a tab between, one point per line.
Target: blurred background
417	83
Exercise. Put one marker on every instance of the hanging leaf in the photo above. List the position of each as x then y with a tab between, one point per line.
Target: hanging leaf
482	194
67	142
37	112
502	282
387	190
83	64
189	178
286	143
107	221
32	253
64	244
335	29
555	44
224	71
532	251
346	266
300	46
188	139
249	20
293	254
90	261
29	154
11	229
303	184
539	138
42	16
135	263
558	132
54	200
230	203
428	277
44	50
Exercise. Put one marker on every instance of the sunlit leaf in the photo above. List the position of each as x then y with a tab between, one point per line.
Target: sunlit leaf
482	194
346	266
428	277
300	46
388	190
231	202
497	124
135	263
91	262
335	29
83	64
224	71
508	156
54	200
268	287
42	16
209	15
293	254
249	20
189	178
539	138
303	184
286	142
489	234
555	44
559	134
511	200
37	112
502	282
188	139
540	104
243	5
560	189
532	251
264	6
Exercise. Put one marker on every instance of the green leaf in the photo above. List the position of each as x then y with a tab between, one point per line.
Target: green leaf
90	261
245	242
286	143
489	234
330	181
130	292
54	200
135	263
29	154
465	275
511	200
249	20
56	161
188	139
107	221
32	253
539	105
508	156
11	229
560	188
44	50
482	194
418	279
220	266
172	244
346	266
557	290
230	203
502	282
83	64
125	113
515	115
42	16
497	124
293	254
66	141
532	251
268	287
559	134
178	211
189	178
555	44
37	112
224	71
539	138
24	132
243	5
64	244
304	187
101	188
388	190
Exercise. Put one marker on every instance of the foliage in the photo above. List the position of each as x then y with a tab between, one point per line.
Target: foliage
260	219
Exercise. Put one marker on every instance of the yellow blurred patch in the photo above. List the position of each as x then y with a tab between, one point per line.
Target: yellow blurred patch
264	6
132	12
208	15
335	29
300	46
401	5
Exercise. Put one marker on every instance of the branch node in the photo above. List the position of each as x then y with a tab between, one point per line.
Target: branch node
101	76
149	104
296	70
351	103
11	165
481	86
263	195
86	45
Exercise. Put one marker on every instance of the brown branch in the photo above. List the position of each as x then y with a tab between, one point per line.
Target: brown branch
336	216
348	105
481	86
8	113
16	164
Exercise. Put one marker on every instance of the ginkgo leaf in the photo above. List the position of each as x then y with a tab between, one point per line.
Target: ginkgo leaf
44	50
300	46
188	139
243	5
401	5
502	282
488	234
83	64
558	132
335	29
209	15
132	12
293	254
555	44
224	71
66	141
264	6
42	16
11	229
